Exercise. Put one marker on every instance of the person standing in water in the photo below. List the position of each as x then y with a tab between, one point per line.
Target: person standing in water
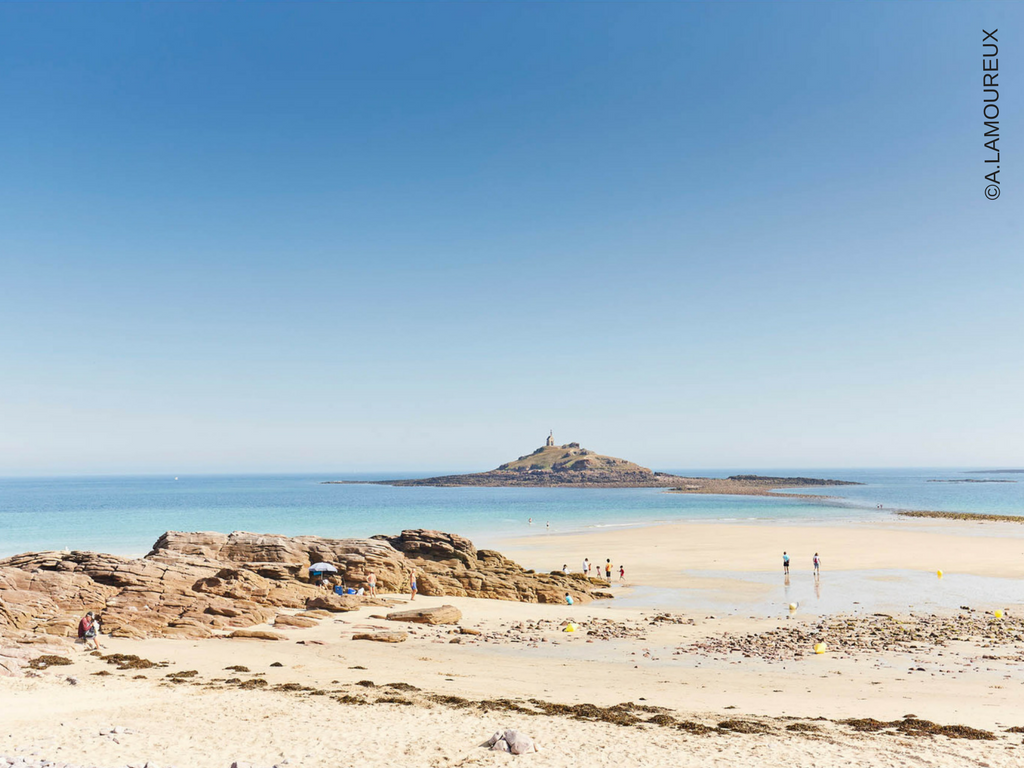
785	563
608	569
817	564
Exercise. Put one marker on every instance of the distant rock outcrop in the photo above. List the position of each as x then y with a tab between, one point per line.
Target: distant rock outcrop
570	466
194	584
566	465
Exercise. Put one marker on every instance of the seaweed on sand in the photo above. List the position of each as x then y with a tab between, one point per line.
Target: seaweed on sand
183	675
915	726
130	661
42	662
744	726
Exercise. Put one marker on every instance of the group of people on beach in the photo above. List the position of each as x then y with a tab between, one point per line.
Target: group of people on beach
331	584
589	569
816	561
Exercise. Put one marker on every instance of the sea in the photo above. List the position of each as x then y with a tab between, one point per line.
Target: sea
126	515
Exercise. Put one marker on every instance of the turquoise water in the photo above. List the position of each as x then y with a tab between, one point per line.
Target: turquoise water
125	515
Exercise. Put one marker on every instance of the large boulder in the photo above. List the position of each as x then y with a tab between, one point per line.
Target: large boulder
441	614
256	634
381	636
334	603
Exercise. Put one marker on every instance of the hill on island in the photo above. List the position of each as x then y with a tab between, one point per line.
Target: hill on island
570	458
557	465
572	466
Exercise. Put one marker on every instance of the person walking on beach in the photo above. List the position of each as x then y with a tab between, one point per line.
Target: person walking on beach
371	582
608	569
785	563
817	565
622	572
412	585
586	566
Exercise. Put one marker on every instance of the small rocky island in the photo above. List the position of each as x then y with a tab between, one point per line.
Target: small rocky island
571	466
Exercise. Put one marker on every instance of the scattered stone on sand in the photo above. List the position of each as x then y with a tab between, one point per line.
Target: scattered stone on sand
866	635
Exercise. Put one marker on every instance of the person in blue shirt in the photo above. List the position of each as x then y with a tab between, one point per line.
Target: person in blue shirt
785	563
568	599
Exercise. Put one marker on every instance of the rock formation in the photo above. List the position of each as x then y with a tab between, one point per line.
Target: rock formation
556	465
197	584
570	466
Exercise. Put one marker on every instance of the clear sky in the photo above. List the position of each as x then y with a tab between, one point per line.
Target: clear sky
347	237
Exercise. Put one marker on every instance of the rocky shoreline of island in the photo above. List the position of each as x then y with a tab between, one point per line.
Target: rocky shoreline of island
979	516
572	466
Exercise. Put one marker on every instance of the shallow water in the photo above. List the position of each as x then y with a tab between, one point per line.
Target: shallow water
856	591
125	515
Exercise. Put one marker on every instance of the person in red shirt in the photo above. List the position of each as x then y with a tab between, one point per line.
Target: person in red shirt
88	629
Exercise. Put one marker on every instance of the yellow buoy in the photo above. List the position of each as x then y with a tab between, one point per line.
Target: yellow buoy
998	613
820	647
939	574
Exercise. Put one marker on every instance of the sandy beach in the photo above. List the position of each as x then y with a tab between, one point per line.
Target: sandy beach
657	554
326	699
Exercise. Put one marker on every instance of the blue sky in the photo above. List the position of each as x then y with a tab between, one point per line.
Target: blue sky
347	237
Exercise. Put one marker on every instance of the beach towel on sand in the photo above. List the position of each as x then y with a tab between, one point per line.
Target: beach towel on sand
511	741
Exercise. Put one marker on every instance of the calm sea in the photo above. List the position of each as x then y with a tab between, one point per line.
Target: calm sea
125	515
